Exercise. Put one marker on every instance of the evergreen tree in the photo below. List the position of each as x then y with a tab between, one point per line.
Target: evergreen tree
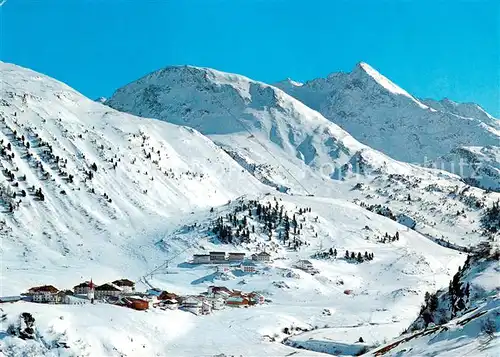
427	297
433	302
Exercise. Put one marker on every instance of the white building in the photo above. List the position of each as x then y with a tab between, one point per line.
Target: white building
261	257
217	303
126	286
192	304
248	267
45	294
304	264
82	288
107	290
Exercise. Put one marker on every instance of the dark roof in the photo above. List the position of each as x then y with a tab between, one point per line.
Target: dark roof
124	282
85	284
304	261
167	296
236	253
264	253
44	288
217	253
107	287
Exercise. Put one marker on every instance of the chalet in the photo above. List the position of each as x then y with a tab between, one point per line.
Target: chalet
217	257
125	285
201	258
6	299
304	264
192	304
237	301
107	289
256	298
45	294
248	267
219	291
168	296
82	288
261	257
236	257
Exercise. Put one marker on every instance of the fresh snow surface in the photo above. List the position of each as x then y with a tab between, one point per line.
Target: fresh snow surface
464	335
157	210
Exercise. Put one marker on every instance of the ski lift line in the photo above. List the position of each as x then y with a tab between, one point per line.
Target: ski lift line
250	132
164	265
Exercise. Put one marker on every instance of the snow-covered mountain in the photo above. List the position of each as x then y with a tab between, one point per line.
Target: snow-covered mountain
466	110
286	144
385	117
271	134
266	130
107	195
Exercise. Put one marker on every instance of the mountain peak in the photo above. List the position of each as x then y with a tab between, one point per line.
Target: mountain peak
287	84
365	68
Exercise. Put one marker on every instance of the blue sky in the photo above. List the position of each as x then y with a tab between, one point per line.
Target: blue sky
431	48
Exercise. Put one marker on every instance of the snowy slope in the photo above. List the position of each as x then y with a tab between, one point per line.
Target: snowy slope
479	166
286	144
471	329
146	171
384	292
466	110
264	129
384	116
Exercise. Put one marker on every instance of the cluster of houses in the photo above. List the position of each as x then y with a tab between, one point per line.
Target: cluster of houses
215	298
122	293
119	292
